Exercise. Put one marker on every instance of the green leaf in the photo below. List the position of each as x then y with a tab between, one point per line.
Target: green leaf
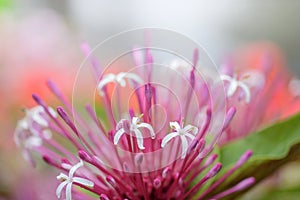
272	147
276	194
279	195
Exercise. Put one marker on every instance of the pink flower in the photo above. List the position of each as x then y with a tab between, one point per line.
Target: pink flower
146	155
260	88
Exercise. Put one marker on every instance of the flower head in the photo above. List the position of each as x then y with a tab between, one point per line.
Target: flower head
121	161
265	86
32	129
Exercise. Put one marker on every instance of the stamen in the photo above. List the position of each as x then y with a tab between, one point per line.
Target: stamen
111	181
94	62
166	172
211	173
229	115
65	117
148	97
50	161
104	197
240	186
157	183
113	174
244	158
84	156
214	170
195	57
238	164
139	159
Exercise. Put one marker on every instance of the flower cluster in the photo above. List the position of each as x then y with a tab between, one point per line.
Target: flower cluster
143	155
261	90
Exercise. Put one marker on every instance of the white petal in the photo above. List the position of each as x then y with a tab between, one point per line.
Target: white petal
59	188
35	115
62	176
74	168
190	136
120	76
35	110
168	137
83	181
232	87
184	146
39	119
33	141
190	128
120	79
139	138
135	120
246	91
175	126
149	127
66	166
254	78
122	83
34	132
108	78
118	135
69	191
23	124
17	135
39	109
225	77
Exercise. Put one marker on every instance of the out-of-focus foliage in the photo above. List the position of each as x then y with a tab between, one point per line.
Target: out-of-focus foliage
272	148
5	4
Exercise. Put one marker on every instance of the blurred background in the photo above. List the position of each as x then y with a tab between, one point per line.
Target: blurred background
40	39
218	25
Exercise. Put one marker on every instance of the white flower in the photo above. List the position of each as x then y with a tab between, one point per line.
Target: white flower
134	128
119	78
69	180
183	132
27	135
234	84
35	114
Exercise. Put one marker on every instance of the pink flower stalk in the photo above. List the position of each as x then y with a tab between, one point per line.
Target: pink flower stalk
259	87
140	152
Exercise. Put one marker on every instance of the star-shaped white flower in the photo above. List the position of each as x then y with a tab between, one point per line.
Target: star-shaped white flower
183	132
134	128
119	78
69	180
233	86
